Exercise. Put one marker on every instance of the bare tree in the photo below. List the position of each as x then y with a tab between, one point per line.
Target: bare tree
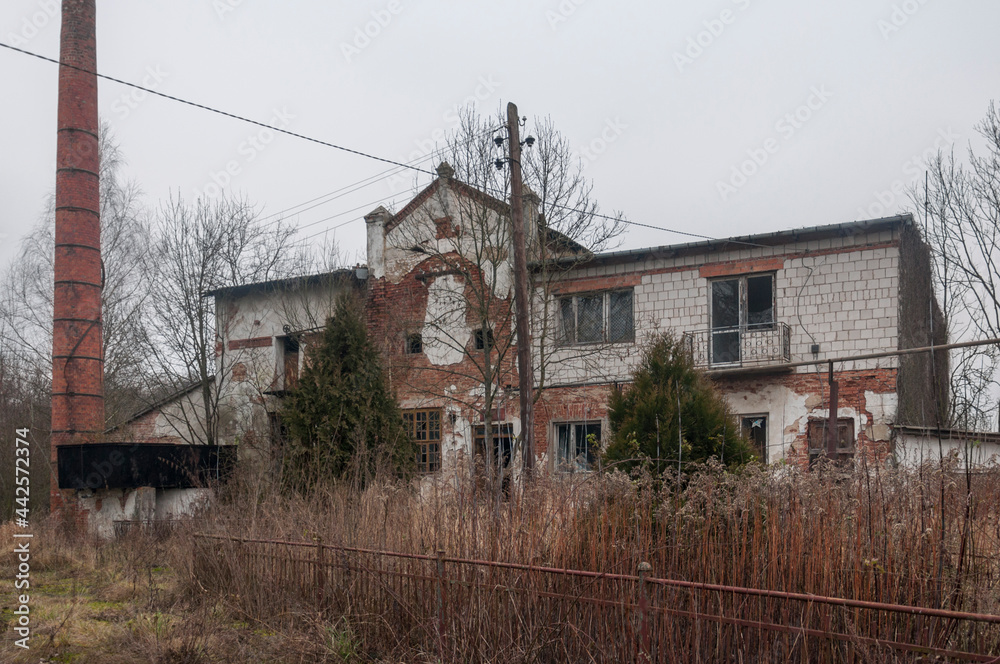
26	298
198	248
465	247
962	209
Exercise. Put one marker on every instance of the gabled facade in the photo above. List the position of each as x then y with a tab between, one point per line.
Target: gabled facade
438	289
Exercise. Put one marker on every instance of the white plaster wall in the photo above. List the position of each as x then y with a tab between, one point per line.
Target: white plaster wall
140	505
913	450
446	333
484	239
787	414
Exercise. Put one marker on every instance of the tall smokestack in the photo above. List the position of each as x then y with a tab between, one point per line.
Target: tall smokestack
77	355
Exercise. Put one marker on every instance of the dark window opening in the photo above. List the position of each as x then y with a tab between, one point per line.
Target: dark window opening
502	443
483	341
414	344
424	428
578	444
290	362
760	302
755	430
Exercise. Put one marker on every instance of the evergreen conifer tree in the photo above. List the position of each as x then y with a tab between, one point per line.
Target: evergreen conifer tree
342	419
644	415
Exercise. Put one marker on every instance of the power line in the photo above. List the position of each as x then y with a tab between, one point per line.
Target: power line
217	111
360	153
657	228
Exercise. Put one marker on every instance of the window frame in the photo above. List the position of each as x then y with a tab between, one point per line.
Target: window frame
428	460
572	465
605	333
735	333
744	429
479	340
744	301
408	344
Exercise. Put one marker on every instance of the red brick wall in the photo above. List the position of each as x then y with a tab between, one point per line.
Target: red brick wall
852	386
77	352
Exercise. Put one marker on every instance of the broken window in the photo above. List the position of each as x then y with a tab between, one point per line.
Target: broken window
739	305
424	428
845	439
577	445
596	317
483	341
414	344
754	429
290	362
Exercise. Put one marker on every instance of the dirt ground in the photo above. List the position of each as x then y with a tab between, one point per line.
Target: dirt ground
126	602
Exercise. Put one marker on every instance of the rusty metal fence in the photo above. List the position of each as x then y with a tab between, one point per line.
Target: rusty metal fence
480	610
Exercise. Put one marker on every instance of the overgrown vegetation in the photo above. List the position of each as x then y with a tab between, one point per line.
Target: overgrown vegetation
922	536
670	413
342	419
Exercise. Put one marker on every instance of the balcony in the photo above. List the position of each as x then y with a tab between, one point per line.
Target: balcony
743	347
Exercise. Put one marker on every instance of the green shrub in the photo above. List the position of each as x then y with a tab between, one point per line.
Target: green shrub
342	420
644	415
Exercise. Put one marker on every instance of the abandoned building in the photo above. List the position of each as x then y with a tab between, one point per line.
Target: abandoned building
751	310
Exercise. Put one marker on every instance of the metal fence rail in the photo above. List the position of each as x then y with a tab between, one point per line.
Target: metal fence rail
443	603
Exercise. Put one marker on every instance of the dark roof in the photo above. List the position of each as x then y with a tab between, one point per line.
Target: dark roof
292	283
761	239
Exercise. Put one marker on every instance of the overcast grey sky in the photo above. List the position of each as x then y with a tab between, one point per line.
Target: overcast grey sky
719	117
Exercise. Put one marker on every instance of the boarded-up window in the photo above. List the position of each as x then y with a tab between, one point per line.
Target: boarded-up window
845	439
424	429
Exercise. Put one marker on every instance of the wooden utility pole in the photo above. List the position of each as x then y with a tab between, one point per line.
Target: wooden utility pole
522	304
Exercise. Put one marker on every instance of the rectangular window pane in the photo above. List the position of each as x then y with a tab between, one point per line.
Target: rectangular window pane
590	319
621	326
726	303
434	425
588	437
562	433
760	301
567	321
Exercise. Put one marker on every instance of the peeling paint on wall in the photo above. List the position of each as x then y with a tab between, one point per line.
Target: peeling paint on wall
446	333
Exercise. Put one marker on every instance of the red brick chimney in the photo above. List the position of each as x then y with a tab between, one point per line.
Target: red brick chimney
77	352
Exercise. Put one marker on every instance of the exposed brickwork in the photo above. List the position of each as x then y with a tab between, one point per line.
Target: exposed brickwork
852	401
256	342
77	364
567	286
726	269
444	229
568	404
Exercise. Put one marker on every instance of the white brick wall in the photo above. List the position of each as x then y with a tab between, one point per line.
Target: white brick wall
846	302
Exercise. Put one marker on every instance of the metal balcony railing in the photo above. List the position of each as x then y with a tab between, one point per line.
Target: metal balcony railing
758	345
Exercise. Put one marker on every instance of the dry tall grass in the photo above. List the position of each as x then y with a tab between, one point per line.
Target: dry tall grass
927	537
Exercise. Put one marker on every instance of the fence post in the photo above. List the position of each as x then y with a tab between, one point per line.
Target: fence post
440	602
320	573
644	568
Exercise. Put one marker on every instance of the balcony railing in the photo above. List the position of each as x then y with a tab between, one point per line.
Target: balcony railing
740	347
